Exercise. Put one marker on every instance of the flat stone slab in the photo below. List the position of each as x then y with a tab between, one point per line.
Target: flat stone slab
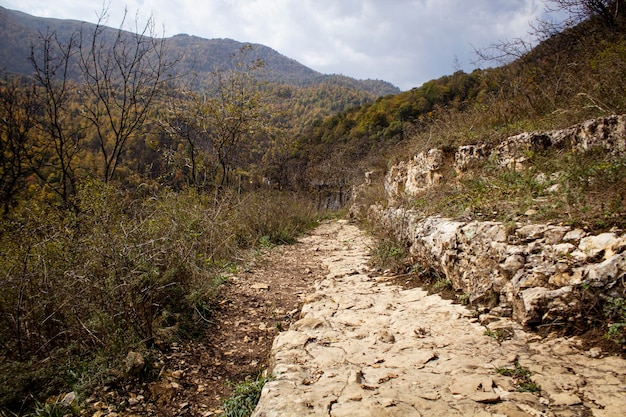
364	347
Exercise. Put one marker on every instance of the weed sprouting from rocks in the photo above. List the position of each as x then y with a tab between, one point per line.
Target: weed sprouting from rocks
521	376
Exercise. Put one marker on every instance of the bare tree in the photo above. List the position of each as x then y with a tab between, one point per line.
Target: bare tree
123	73
18	152
578	10
503	52
236	113
569	12
181	122
224	123
51	61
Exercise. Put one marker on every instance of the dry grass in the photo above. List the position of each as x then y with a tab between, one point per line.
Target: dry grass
106	278
582	190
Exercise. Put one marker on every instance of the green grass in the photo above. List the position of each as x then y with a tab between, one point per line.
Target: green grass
441	284
615	311
463	299
388	254
499	334
245	397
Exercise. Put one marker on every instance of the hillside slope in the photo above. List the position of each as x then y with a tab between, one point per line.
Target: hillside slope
570	77
197	55
509	184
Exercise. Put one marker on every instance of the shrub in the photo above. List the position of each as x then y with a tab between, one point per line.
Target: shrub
102	279
615	313
388	254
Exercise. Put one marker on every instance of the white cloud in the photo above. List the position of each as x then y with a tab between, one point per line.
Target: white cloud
406	42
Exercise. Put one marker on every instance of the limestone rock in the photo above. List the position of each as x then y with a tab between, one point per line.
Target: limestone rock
574	235
513	263
561	249
565	398
539	304
308	323
481	261
365	347
486	397
608	272
531	232
472	385
555	234
410	178
600	245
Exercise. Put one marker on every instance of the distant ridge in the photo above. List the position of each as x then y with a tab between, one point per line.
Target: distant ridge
19	31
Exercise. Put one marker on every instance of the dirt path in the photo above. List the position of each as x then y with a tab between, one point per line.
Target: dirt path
346	342
365	347
194	378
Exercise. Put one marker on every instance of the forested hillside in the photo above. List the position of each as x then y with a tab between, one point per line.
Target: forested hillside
571	76
133	178
293	95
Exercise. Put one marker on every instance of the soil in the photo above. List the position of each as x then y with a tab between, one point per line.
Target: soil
194	378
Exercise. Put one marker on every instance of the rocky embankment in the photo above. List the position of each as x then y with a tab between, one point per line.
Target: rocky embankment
539	274
367	347
412	177
536	273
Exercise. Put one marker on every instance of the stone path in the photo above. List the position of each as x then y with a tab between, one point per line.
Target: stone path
364	347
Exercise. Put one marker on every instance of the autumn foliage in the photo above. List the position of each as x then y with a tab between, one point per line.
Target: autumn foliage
129	188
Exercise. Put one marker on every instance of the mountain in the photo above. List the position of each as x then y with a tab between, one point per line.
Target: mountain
20	30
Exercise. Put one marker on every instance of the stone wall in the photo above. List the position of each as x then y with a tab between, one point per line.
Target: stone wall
536	273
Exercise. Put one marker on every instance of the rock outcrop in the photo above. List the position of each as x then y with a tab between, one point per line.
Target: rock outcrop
536	273
426	169
414	176
533	272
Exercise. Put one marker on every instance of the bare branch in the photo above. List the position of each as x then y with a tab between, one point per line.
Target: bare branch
124	73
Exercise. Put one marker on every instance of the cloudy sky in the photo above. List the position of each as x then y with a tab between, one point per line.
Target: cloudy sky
405	42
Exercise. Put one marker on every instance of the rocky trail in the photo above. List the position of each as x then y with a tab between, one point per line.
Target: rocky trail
342	340
364	346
